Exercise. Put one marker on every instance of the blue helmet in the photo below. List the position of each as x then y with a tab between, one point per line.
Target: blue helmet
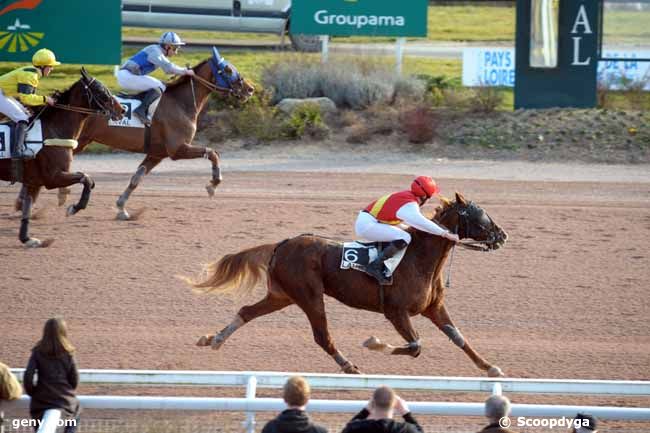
170	38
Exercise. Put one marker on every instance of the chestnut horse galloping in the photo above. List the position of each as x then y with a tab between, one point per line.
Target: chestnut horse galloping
173	126
303	269
50	167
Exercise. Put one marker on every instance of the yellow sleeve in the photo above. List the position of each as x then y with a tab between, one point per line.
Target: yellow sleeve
27	85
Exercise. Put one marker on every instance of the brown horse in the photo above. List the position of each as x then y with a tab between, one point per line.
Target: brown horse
173	126
50	167
303	269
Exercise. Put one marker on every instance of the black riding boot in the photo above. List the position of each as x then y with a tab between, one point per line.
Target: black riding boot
19	152
149	98
376	267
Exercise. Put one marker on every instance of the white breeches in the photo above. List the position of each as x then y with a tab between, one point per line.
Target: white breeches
139	83
367	227
12	108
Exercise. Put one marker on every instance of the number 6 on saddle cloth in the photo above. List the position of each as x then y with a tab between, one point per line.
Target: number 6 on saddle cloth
357	256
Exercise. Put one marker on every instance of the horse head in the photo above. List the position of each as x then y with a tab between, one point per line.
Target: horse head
99	97
227	76
470	221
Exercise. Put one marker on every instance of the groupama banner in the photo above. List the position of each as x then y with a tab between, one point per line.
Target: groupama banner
360	17
78	31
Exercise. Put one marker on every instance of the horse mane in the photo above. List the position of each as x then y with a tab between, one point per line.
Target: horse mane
61	97
183	78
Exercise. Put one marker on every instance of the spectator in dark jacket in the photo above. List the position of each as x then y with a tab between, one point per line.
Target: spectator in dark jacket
52	359
584	423
497	409
377	416
294	419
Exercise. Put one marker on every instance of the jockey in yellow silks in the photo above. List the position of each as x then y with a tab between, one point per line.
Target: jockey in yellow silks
18	89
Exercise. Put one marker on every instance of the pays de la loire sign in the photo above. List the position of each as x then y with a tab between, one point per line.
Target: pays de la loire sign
360	17
78	31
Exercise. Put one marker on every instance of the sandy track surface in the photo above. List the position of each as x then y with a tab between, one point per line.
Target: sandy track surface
566	298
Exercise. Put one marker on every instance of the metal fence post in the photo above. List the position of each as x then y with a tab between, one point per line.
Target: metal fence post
251	389
325	49
399	54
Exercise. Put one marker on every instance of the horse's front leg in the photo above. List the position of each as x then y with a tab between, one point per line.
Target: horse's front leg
88	184
62	179
440	317
402	323
145	168
193	152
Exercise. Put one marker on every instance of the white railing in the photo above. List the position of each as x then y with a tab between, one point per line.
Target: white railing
253	380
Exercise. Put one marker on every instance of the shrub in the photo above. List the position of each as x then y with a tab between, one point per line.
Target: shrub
485	99
419	123
306	120
256	120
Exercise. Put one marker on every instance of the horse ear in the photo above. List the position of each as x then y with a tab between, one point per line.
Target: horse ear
84	73
460	199
216	55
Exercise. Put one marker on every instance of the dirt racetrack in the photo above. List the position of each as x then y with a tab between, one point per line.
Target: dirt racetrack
566	298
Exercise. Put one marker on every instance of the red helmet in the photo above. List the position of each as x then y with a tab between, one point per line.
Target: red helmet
424	186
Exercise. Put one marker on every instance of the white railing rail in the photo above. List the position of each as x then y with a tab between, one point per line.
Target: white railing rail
253	380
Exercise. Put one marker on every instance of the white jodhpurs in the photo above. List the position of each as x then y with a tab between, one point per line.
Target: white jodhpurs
368	228
12	108
138	83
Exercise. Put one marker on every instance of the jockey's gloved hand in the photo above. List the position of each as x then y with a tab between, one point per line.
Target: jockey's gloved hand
451	236
50	101
190	72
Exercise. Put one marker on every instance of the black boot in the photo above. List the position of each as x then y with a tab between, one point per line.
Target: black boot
149	98
19	152
376	267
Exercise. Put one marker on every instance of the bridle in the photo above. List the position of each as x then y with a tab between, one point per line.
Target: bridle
462	226
92	99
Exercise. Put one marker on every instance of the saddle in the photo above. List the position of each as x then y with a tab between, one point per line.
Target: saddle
139	96
358	255
33	140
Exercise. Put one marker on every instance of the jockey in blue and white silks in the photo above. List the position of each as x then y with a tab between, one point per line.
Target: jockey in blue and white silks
133	75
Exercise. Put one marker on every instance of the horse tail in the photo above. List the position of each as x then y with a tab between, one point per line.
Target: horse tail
235	273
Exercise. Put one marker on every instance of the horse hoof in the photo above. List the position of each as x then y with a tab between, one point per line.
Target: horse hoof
495	372
210	189
122	215
33	243
204	341
71	210
350	368
373	343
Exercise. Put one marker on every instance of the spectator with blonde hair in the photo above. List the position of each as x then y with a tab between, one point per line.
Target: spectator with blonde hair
53	396
294	419
10	389
377	416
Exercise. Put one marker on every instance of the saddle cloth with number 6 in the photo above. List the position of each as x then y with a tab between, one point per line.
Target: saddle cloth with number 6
357	255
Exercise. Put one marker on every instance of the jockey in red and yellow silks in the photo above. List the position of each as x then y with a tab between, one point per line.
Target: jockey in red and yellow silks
380	219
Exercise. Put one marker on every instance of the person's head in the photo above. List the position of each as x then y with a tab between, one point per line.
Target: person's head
383	401
424	188
54	343
170	43
496	407
584	423
296	392
10	389
45	60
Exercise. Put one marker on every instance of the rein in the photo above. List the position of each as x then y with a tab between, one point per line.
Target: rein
77	109
211	86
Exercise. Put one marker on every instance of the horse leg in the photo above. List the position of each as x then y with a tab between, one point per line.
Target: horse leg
145	168
28	195
192	152
315	311
440	317
88	184
271	303
402	323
